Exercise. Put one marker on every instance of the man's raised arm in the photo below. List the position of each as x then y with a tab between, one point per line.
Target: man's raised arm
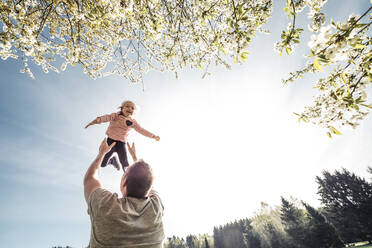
133	153
91	179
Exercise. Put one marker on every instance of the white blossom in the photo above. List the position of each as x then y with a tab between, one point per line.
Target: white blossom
130	38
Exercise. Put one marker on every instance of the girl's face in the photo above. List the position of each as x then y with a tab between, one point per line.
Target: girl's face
128	109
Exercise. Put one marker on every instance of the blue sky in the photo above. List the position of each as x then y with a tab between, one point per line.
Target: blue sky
227	142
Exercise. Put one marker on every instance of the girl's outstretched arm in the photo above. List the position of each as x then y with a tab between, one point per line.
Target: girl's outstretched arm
95	121
104	118
144	132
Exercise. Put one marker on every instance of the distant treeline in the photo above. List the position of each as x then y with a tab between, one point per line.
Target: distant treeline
345	216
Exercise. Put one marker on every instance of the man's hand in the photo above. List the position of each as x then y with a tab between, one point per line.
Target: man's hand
132	151
105	148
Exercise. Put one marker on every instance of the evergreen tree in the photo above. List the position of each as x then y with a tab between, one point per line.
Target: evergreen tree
321	233
192	241
268	227
347	201
233	236
175	242
218	237
251	238
206	242
294	223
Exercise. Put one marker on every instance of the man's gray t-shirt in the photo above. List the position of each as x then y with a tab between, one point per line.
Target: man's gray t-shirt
125	222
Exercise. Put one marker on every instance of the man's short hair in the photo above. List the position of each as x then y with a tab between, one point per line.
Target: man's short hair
139	179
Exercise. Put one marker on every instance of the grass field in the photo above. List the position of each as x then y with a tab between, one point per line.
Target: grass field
359	245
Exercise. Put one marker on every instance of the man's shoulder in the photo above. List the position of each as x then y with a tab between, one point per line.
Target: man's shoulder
153	193
103	194
99	191
99	198
154	196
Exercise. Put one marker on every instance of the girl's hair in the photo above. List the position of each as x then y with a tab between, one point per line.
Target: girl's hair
126	101
136	107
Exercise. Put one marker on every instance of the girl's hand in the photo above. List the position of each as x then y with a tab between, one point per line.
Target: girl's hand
157	138
93	122
90	124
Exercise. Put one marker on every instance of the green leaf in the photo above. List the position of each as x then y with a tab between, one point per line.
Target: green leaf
328	133
317	65
288	50
359	100
359	46
334	130
223	50
367	106
305	119
343	76
360	25
334	84
244	56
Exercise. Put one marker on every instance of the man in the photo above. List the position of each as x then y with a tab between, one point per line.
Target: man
135	220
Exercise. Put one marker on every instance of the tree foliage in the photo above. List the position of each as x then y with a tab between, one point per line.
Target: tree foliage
345	48
136	36
321	233
175	242
307	227
294	222
132	37
345	216
192	241
231	234
269	228
347	200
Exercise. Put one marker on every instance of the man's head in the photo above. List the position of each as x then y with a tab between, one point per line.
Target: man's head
137	180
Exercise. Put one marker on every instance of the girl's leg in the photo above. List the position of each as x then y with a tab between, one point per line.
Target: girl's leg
108	155
114	161
122	153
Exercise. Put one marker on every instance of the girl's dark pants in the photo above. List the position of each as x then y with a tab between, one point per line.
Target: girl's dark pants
120	149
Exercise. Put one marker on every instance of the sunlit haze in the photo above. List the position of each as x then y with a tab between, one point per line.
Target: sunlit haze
228	142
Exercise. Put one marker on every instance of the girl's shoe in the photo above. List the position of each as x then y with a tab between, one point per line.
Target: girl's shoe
114	163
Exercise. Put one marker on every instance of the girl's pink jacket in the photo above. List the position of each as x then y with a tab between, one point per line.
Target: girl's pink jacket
120	126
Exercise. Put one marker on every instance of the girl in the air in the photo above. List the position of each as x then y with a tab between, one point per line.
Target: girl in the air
120	125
